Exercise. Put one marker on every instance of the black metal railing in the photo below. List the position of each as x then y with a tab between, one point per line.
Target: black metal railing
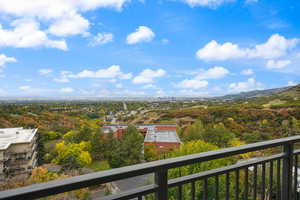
273	177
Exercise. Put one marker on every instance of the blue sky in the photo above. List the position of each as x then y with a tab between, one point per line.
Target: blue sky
111	48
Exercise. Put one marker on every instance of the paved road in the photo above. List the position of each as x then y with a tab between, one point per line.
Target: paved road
134	182
127	184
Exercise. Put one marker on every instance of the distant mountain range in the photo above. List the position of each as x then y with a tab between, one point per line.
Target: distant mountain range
291	91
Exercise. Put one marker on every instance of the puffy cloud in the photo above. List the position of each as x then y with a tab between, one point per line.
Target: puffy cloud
206	3
27	33
113	71
192	84
102	38
215	51
247	72
276	46
49	9
142	34
212	73
148	75
59	17
250	84
45	71
67	90
72	24
5	59
272	64
199	80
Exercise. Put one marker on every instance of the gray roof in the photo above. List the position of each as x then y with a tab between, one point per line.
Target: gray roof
10	136
154	135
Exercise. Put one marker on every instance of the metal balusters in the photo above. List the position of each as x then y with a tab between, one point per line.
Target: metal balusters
278	180
237	185
217	187
295	176
271	180
193	190
255	182
287	171
263	182
227	186
205	189
246	184
161	179
180	192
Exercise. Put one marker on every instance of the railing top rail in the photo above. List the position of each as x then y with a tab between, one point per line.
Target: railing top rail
77	182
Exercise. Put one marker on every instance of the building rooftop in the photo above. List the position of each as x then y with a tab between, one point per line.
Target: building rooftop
10	136
154	135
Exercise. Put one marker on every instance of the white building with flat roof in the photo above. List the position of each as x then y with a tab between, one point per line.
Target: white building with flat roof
18	153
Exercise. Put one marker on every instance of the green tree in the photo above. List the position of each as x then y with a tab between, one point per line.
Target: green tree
150	153
193	147
194	132
72	156
128	150
218	135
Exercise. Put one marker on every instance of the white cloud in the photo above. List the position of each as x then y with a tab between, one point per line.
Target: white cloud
206	3
215	51
148	75
102	38
291	83
212	73
58	17
5	59
72	24
279	64
113	71
247	72
250	84
49	9
199	80
26	33
45	71
275	47
25	87
67	90
142	34
192	84
63	78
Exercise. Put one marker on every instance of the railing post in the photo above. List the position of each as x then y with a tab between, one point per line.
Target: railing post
287	172
161	180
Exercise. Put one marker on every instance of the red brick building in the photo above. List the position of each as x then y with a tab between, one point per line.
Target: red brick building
162	136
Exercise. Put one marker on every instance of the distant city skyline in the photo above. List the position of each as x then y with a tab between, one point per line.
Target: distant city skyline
140	48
